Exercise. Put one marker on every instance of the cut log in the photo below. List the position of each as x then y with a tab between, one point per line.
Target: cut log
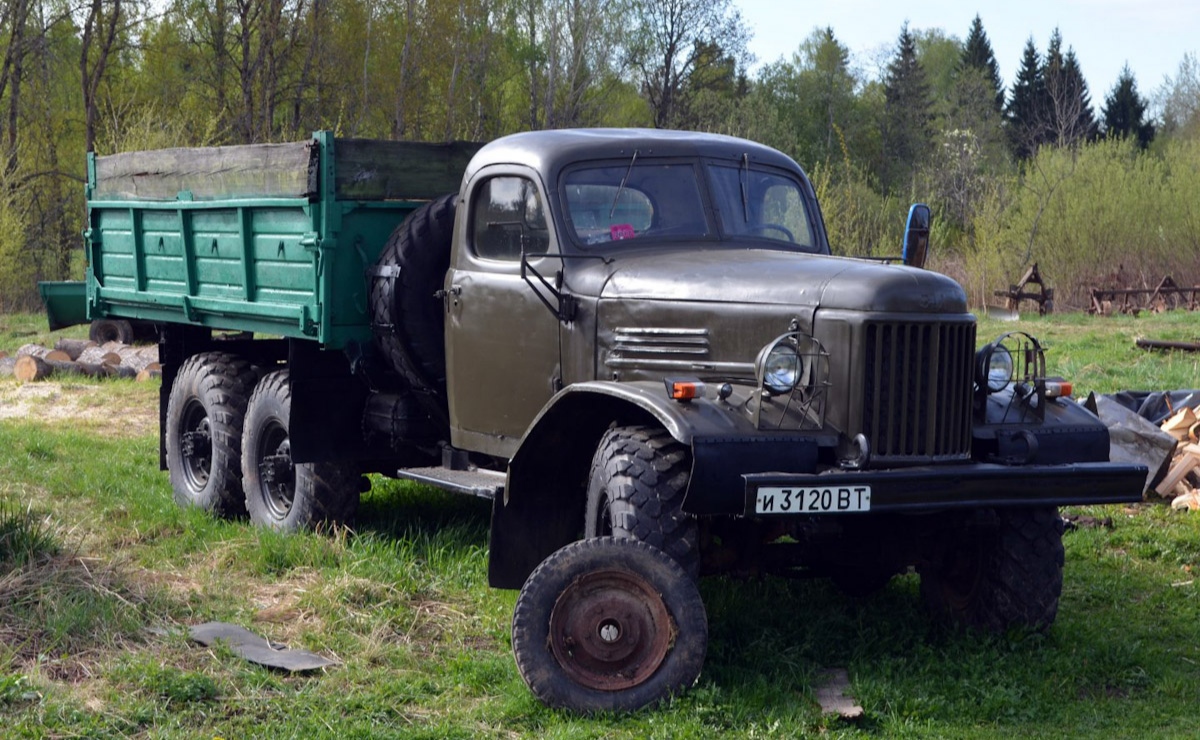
37	350
6	366
31	367
98	356
153	370
73	347
137	358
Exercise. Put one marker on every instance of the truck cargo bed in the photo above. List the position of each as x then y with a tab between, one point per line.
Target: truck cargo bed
274	238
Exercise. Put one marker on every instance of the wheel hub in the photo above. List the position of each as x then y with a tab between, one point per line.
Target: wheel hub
610	630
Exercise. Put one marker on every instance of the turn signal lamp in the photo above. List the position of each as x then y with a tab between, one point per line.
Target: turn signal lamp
1058	388
684	389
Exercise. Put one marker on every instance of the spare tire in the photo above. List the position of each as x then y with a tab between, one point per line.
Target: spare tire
407	313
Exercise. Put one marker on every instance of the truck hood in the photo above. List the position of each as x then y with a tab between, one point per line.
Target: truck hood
759	276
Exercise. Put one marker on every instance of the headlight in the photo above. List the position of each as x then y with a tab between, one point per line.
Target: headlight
782	369
1014	357
999	368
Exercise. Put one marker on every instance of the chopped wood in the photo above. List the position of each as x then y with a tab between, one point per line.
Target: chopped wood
153	370
29	368
73	347
1189	501
37	350
1187	458
1180	424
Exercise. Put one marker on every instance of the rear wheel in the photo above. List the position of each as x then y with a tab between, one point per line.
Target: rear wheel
608	625
281	494
1007	577
638	479
111	330
205	413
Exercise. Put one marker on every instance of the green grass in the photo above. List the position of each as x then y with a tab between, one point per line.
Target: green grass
101	553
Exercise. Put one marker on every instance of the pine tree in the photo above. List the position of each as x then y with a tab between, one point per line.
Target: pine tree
1124	111
1066	108
907	113
1024	104
978	54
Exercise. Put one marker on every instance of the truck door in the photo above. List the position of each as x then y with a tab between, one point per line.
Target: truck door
502	343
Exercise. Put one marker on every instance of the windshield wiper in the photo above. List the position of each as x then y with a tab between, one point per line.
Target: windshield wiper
621	187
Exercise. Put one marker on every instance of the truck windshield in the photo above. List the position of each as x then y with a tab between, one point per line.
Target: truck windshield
761	204
635	201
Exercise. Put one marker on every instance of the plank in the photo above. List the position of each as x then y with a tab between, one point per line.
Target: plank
210	173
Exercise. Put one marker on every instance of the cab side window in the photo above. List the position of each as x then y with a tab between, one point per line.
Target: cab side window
508	217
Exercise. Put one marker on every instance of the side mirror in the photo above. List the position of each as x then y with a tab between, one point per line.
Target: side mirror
916	235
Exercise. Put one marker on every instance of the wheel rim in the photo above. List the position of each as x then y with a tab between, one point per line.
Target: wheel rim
276	472
195	446
610	630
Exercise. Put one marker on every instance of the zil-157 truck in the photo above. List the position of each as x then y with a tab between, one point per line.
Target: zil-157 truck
638	344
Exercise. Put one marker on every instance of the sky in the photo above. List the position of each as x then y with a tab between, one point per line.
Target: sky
1151	35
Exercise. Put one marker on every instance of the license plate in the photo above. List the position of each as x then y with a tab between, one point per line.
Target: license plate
824	500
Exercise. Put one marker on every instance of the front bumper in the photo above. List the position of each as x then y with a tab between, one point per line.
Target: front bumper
977	485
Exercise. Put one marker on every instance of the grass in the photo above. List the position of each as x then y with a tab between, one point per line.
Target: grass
93	553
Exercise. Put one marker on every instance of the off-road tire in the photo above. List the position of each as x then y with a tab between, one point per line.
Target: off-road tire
656	607
111	330
408	317
285	496
994	580
205	412
638	479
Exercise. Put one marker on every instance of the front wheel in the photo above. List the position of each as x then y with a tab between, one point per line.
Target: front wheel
638	480
281	494
608	625
1009	576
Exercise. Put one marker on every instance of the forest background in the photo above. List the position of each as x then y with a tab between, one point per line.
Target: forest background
1032	171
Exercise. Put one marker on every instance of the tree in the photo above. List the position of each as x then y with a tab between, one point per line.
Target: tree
1179	99
1024	111
671	50
1124	111
1066	113
99	42
906	123
977	54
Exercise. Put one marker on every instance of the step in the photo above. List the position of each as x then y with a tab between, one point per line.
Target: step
474	482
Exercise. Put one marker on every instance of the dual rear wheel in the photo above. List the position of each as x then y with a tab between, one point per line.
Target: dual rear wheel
229	449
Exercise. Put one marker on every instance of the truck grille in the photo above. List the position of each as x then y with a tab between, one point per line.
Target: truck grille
917	394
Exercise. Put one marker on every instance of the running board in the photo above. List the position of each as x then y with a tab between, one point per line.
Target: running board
482	483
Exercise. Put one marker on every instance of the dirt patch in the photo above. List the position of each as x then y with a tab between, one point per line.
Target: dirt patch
93	406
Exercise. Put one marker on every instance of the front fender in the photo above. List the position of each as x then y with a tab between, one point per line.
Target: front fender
543	504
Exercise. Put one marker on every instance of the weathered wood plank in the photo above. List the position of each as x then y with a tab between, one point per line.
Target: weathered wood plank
210	173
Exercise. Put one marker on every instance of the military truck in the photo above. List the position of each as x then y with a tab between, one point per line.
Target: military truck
638	344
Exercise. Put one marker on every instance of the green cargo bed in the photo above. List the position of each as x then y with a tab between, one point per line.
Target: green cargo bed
274	238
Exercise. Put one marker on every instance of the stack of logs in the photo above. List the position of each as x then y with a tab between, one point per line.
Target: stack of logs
82	357
1182	482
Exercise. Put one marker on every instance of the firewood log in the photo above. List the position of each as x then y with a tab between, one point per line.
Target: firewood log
73	347
98	356
37	350
153	370
6	366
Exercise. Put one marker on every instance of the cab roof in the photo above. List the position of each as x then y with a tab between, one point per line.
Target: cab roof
548	152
